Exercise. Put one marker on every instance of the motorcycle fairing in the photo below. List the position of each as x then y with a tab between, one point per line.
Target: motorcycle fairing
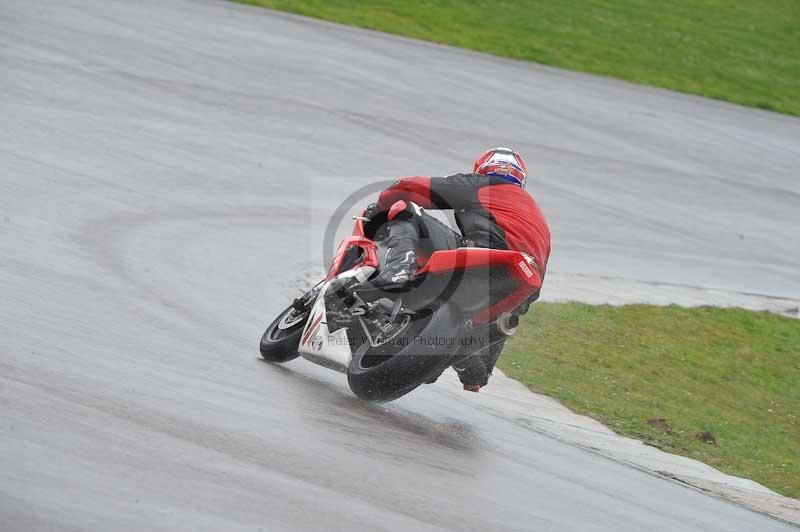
318	343
519	266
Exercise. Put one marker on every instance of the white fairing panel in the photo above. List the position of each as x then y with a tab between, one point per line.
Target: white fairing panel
319	344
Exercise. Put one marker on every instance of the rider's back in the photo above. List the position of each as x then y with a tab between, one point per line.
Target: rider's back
489	210
518	215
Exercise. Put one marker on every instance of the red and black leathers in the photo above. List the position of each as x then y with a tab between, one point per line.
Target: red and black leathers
489	210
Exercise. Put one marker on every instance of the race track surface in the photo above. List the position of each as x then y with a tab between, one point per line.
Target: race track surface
166	172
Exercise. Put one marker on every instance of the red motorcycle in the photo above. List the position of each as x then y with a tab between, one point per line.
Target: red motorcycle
460	302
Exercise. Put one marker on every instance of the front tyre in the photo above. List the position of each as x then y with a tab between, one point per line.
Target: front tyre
422	349
280	341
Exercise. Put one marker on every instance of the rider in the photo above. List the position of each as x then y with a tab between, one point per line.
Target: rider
492	210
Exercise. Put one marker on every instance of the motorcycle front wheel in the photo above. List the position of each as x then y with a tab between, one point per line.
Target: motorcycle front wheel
280	341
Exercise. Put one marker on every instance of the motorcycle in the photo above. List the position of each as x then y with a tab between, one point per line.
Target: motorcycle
459	303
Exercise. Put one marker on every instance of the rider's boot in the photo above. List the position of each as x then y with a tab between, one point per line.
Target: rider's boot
474	371
399	263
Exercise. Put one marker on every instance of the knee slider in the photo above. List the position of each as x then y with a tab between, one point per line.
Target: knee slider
405	210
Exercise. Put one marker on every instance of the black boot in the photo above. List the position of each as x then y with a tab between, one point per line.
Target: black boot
474	371
400	265
399	262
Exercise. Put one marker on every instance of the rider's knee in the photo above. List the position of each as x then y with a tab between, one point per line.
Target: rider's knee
404	210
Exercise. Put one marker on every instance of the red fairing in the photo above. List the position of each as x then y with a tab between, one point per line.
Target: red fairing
358	227
416	189
462	258
508	304
370	254
312	329
516	263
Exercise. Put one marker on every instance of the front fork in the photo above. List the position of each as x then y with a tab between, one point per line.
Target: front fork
306	300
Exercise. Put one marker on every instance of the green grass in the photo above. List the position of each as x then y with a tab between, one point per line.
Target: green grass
744	51
665	375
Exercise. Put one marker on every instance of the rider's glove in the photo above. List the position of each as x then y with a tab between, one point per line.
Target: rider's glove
371	211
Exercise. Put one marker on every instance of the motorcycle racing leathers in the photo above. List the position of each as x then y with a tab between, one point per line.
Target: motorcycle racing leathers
490	212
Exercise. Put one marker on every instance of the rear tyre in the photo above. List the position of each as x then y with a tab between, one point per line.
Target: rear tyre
423	349
280	341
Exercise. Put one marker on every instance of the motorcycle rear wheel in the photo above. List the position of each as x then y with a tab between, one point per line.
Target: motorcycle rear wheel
417	353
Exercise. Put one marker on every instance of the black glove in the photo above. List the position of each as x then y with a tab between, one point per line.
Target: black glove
371	211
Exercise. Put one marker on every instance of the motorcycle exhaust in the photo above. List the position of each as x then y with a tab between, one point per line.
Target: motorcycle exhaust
507	323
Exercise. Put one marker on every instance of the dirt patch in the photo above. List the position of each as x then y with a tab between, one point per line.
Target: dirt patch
660	423
706	437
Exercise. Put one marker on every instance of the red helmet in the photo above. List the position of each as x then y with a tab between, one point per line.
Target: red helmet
502	162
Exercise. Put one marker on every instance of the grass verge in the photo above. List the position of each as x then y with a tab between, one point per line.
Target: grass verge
718	385
737	50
